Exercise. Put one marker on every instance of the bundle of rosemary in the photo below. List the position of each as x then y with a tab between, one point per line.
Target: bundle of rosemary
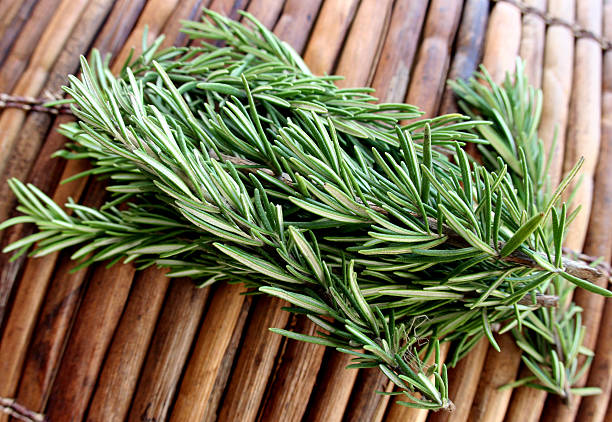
235	163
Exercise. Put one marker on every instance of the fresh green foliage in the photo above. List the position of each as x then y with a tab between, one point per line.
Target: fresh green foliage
550	338
236	163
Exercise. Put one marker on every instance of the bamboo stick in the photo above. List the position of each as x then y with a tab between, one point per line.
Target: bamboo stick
364	43
585	119
19	55
118	26
154	16
34	77
37	273
229	357
500	50
333	389
214	337
399	413
468	48
364	402
532	42
502	40
67	389
593	408
185	10
266	11
11	27
116	383
65	292
433	59
25	308
99	314
295	378
557	85
255	362
55	321
585	134
527	403
393	71
328	35
600	375
296	21
463	383
490	403
166	357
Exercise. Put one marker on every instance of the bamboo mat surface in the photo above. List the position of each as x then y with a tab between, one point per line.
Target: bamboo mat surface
115	344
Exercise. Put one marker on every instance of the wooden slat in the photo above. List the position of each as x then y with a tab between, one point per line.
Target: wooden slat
532	42
557	85
585	120
364	43
215	334
33	78
296	21
166	357
98	314
255	362
585	133
393	71
333	389
266	11
468	48
502	40
490	403
116	382
592	409
328	35
11	26
56	317
294	380
429	76
527	403
364	402
463	383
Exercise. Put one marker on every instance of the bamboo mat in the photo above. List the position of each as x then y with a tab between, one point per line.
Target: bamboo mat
115	344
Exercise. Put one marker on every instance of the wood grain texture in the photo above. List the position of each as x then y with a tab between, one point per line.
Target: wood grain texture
11	26
592	409
266	11
21	52
34	77
123	362
295	376
433	59
99	313
328	35
490	403
502	40
400	46
364	43
213	340
256	360
468	48
463	383
296	21
557	85
168	353
527	403
585	120
364	402
333	388
25	308
532	42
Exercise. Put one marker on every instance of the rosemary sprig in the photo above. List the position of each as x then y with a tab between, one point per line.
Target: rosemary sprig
236	163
